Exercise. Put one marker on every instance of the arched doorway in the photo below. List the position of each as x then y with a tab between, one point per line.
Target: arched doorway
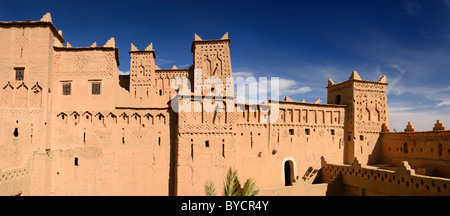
288	173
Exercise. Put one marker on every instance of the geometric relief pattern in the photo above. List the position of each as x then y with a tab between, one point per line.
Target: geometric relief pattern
21	96
36	96
81	60
7	95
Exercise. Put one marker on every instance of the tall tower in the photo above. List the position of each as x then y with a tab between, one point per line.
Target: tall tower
366	113
213	58
142	72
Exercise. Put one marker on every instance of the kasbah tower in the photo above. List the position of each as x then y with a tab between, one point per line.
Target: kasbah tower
72	125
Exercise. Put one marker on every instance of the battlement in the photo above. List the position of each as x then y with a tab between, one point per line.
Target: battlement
363	180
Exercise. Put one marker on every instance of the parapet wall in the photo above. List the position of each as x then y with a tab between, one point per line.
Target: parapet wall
15	182
371	181
427	152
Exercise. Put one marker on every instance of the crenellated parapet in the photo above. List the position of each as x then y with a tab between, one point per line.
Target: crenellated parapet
362	180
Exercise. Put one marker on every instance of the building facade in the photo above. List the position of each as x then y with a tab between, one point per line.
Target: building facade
72	125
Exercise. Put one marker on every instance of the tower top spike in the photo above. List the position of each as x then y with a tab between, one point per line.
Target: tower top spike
355	76
47	18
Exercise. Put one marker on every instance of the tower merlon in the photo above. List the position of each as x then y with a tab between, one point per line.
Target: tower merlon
47	17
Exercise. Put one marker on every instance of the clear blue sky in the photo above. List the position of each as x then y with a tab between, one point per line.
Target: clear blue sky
303	42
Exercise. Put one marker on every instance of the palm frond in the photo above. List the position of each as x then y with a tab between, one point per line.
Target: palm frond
210	189
231	183
249	188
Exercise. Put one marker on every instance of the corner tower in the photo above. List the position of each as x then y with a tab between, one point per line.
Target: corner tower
142	72
366	113
213	58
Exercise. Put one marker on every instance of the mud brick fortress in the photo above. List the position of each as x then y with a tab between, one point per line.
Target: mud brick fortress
72	125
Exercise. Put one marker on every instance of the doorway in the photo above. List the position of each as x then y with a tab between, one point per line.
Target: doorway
288	173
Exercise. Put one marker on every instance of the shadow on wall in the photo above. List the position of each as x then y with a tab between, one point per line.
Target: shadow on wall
124	82
375	156
335	187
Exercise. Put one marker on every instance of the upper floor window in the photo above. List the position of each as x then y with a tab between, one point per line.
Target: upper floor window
96	88
19	73
66	88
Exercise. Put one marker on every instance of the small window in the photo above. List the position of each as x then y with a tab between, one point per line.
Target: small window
207	143
19	73
291	131
160	92
66	88
307	131
332	132
338	99
212	89
76	161
361	137
96	88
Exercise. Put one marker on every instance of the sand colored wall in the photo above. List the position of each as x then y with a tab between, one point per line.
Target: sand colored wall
210	143
366	112
361	180
23	103
263	149
427	152
121	152
81	67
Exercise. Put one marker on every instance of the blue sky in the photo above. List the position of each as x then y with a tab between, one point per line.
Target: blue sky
303	42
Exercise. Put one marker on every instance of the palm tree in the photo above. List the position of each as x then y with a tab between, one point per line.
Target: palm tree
232	187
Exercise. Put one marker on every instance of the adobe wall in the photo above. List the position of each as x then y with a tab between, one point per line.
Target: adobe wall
366	112
361	180
23	103
119	152
427	152
263	149
206	149
209	143
81	67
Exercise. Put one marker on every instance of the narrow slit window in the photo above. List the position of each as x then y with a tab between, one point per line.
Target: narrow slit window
207	143
332	132
76	161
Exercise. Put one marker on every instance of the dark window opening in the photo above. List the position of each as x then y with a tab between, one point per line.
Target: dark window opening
76	161
223	150
160	92
159	140
96	88
405	147
440	149
16	132
66	88
288	168
291	131
361	137
192	151
307	132
207	143
332	132
349	138
19	73
338	99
